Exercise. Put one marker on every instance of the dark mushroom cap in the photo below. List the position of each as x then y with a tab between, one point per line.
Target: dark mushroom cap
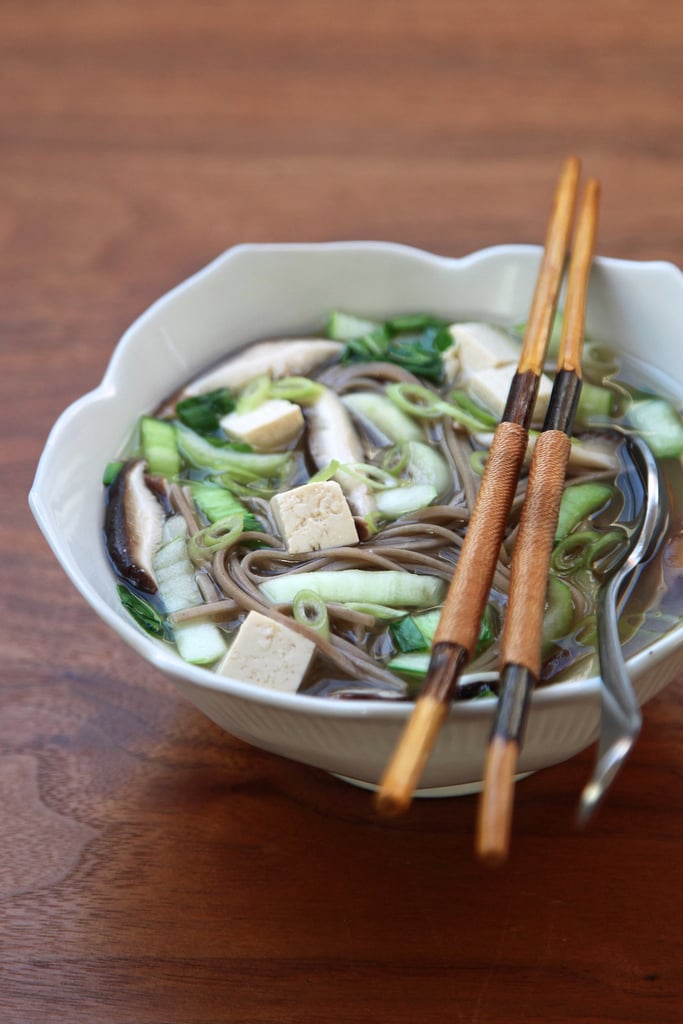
133	523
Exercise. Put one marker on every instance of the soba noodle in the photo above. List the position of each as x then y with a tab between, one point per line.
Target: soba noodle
363	648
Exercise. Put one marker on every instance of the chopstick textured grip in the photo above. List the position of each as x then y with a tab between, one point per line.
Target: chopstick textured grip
469	590
533	547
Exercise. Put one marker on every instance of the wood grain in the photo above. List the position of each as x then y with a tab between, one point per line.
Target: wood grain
152	868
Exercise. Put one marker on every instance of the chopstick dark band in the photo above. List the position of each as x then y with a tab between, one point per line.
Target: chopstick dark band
563	402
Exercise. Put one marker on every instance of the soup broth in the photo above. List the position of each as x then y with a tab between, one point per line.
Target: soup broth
293	516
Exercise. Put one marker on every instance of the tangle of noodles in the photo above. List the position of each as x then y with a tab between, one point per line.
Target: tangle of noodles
354	652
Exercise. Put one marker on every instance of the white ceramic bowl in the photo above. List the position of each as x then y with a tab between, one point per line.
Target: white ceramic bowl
257	291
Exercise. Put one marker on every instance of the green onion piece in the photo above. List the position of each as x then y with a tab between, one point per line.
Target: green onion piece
478	461
579	501
231	460
598	362
378	611
309	609
466	406
416	400
296	389
326	472
376	478
390	587
250	489
412	322
159	446
419	463
393	502
407	635
606	550
255	393
559	614
572	553
384	415
142	612
595	406
203	412
586	633
111	471
659	424
368	347
344	326
204	544
217	502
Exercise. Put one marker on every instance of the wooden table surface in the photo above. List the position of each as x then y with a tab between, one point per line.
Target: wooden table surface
152	868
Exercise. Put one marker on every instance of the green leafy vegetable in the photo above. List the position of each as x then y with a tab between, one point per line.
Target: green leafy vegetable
159	447
414	342
142	611
218	503
203	412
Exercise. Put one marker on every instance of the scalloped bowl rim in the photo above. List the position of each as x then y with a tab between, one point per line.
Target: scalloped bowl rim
166	661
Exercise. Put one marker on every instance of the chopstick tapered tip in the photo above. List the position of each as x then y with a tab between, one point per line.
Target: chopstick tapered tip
405	768
495	805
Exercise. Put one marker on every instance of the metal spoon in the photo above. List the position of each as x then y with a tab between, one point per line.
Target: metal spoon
620	717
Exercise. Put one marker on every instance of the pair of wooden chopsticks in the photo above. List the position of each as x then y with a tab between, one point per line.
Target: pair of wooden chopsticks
458	631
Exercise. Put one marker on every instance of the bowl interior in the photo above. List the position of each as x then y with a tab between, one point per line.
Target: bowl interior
272	290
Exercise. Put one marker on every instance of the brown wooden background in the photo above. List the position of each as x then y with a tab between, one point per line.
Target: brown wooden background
153	869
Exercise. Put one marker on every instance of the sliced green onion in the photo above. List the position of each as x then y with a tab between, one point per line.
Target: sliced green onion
296	389
596	405
400	501
204	544
659	424
605	550
255	393
384	415
239	465
478	460
344	326
111	471
572	553
250	489
422	464
559	613
377	478
378	611
309	609
579	501
416	400
598	362
390	587
159	446
419	401
467	406
217	502
326	472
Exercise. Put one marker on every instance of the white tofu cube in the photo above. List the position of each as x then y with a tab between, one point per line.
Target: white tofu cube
491	387
314	516
270	425
481	346
267	654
